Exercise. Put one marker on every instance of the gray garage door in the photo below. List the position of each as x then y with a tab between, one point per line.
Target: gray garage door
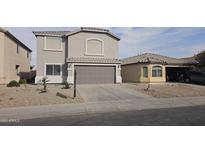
95	74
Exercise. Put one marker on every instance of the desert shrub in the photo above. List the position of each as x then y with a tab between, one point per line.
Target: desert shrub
66	85
13	84
45	81
22	81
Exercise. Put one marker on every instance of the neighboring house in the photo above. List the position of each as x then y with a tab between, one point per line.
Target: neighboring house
14	57
92	52
200	57
151	68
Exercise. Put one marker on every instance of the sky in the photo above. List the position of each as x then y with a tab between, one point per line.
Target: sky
169	41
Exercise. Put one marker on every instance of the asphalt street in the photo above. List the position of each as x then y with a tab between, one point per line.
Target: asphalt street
181	116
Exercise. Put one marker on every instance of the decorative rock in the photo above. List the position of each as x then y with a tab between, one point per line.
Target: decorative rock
61	95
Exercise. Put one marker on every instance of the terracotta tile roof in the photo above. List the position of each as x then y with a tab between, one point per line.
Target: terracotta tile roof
93	60
51	33
69	33
157	59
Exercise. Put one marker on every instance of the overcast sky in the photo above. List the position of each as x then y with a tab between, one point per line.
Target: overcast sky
175	42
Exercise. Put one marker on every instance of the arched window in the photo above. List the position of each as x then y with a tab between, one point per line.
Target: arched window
94	46
156	71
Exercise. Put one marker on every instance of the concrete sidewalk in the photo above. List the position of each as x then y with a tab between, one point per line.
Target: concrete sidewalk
33	112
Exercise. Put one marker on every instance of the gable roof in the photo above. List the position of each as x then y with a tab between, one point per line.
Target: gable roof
158	59
69	33
51	33
15	39
94	30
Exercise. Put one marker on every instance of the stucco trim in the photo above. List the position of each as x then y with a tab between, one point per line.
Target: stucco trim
47	49
86	47
61	73
152	70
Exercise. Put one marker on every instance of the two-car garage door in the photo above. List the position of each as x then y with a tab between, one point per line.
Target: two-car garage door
95	74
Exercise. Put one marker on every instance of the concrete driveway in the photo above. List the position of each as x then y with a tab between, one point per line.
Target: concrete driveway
109	92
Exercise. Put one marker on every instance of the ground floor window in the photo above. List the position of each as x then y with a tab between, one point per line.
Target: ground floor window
17	69
156	71
53	69
145	72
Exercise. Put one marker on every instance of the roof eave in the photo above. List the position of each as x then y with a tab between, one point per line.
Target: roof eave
15	39
74	60
109	33
40	34
2	30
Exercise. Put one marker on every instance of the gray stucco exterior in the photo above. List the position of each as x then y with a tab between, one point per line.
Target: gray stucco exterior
91	47
50	57
77	45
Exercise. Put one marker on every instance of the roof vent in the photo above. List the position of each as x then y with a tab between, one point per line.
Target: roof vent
94	29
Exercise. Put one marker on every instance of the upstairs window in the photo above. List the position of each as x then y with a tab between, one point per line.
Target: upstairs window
17	49
94	46
156	71
53	43
53	69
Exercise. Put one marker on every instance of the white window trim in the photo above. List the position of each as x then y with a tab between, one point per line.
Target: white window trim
61	71
47	49
86	47
143	71
161	70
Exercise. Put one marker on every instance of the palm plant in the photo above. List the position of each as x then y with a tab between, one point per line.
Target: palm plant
45	81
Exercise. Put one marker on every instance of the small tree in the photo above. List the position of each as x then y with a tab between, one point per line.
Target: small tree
45	81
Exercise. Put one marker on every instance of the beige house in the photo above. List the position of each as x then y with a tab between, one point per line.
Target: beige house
14	57
153	68
92	52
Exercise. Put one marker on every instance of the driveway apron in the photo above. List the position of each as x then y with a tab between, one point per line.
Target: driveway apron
102	93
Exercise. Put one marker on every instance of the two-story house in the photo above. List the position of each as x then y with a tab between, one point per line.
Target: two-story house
14	57
92	52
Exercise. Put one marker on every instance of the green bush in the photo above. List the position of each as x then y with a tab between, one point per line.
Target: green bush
66	85
13	84
22	81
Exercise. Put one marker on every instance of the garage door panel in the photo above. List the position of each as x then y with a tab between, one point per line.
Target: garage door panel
95	74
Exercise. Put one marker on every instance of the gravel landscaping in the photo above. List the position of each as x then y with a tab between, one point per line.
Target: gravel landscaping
169	90
33	95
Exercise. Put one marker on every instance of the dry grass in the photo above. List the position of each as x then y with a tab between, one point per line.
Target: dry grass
33	95
169	90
